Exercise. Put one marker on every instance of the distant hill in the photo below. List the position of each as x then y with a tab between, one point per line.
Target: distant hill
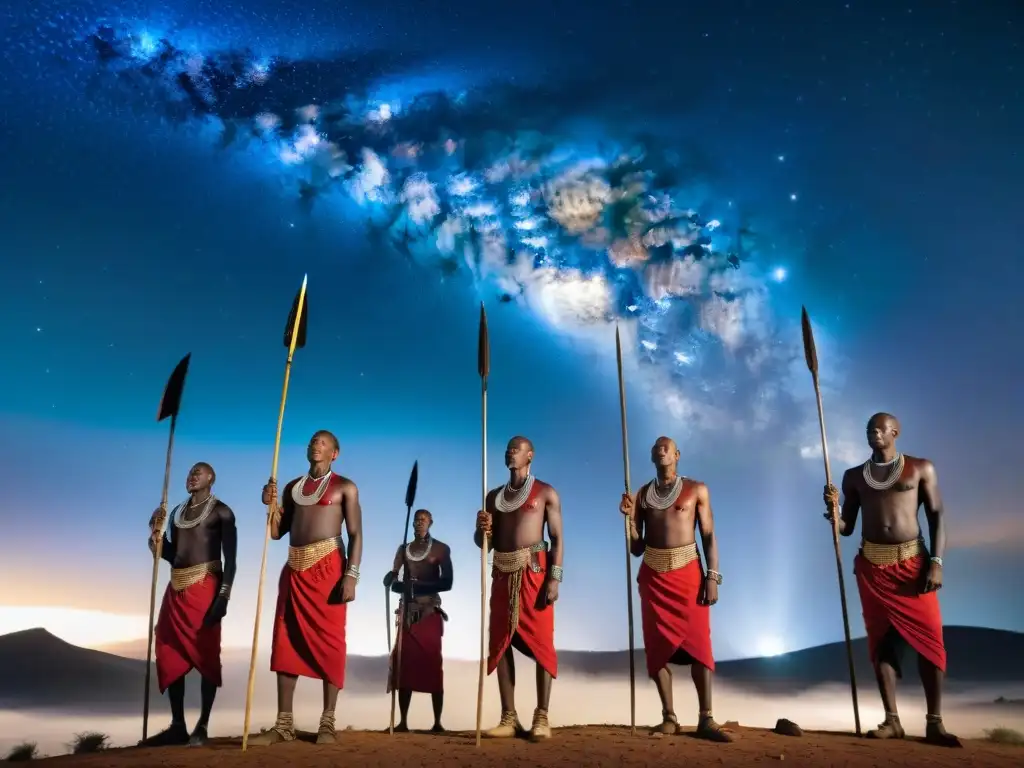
977	656
40	671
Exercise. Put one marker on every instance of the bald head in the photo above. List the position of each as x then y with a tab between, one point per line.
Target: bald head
421	523
519	453
200	477
664	452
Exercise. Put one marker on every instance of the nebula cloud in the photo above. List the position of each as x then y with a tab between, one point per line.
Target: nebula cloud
490	183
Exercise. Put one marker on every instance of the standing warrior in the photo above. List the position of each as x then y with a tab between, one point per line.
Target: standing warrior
676	594
428	572
897	579
524	586
316	586
189	627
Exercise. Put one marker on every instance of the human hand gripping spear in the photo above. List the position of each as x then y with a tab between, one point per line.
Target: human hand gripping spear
396	668
170	404
811	355
483	366
629	564
294	338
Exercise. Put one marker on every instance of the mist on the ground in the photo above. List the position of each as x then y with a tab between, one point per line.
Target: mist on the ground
576	700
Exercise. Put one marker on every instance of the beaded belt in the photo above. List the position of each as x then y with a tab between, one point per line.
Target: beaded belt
665	560
183	578
885	555
514	564
303	558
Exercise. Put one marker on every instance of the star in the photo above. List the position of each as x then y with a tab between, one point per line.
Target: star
793	197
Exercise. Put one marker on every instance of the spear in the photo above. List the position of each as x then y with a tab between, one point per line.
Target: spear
294	338
629	564
483	366
396	674
170	404
811	355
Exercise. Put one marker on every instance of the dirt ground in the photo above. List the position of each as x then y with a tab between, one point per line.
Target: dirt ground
574	746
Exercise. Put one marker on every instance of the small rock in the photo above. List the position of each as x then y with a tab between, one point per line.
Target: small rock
731	724
785	727
656	734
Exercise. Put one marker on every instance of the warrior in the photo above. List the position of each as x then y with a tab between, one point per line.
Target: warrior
524	584
427	573
676	593
189	627
316	585
898	576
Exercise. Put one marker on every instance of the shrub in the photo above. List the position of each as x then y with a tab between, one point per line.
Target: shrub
1005	736
90	741
25	751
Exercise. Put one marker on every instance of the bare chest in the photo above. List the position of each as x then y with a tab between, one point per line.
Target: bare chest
679	513
424	569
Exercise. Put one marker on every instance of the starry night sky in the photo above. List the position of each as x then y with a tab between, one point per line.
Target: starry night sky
862	158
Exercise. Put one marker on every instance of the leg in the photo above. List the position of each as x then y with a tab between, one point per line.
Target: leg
932	678
200	732
707	728
326	732
404	699
663	682
890	728
509	725
177	732
284	727
437	700
541	729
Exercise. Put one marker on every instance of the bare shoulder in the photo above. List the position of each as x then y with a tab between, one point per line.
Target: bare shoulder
291	484
852	476
546	489
443	549
346	484
921	467
224	512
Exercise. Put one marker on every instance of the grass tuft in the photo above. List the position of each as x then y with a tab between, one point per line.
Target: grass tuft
19	753
90	741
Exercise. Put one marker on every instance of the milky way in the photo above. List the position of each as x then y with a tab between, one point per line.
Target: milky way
489	182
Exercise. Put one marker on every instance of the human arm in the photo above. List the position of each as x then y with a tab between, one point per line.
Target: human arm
353	513
390	576
168	549
484	522
280	512
709	543
931	498
553	518
847	523
630	507
229	546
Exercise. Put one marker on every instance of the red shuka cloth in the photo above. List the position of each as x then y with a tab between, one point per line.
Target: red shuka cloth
309	634
182	642
890	597
673	619
422	662
536	625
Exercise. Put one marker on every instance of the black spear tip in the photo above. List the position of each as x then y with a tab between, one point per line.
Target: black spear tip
483	357
289	328
410	491
170	403
810	353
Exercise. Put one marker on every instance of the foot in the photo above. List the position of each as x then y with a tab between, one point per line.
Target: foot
199	736
935	733
507	728
669	725
402	728
438	728
890	728
282	731
541	729
709	730
175	735
326	733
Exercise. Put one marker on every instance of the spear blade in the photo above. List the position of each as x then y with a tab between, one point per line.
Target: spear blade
810	352
297	329
410	490
483	355
170	402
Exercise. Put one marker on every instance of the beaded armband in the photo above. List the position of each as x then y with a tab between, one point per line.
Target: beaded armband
556	573
715	576
353	573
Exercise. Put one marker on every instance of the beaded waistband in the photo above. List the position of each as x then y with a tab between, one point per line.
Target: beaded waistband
890	554
665	560
510	562
303	558
183	578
